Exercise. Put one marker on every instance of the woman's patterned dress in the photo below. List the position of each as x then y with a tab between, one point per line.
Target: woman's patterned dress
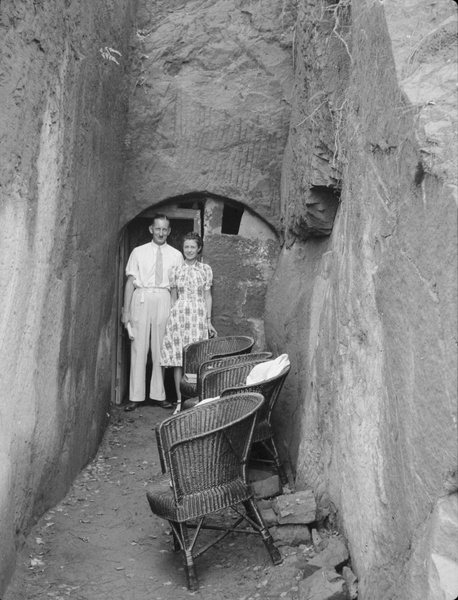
188	318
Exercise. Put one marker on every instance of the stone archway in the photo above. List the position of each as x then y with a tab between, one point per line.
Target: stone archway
242	250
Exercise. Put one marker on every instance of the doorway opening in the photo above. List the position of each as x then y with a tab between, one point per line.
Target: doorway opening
184	217
232	218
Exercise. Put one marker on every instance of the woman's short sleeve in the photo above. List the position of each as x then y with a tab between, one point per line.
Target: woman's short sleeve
208	277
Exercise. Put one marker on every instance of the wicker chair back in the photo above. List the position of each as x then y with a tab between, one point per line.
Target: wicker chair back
205	450
230	381
217	380
270	389
198	352
228	361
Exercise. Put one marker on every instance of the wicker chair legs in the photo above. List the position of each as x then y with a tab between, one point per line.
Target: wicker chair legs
271	448
181	542
176	541
254	517
193	583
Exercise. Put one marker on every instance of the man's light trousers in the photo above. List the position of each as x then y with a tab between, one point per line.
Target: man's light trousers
150	310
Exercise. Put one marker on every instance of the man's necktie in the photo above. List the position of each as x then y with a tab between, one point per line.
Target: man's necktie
159	266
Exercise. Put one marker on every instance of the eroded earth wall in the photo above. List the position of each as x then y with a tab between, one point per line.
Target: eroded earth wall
209	112
368	314
63	109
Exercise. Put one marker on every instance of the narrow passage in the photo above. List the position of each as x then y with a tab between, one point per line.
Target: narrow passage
102	541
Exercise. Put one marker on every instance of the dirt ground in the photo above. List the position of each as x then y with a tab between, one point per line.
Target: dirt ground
102	541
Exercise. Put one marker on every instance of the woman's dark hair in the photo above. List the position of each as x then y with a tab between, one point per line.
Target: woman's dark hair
195	237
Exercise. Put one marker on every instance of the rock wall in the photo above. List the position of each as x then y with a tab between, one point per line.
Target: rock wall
63	111
209	112
369	314
333	122
242	265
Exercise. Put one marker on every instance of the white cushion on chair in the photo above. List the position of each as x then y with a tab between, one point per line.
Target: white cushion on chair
208	400
267	369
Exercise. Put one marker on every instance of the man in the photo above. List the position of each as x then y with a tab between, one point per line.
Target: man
146	310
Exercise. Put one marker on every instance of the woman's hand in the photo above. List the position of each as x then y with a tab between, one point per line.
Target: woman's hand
211	330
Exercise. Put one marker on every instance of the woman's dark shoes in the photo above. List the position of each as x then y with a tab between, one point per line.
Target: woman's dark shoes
130	406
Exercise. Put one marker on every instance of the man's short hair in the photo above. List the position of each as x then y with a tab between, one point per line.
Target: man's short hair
161	216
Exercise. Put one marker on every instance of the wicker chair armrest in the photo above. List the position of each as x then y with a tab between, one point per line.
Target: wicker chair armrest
238	389
215	381
191	454
192	424
270	389
261	385
235	351
205	434
160	449
228	361
197	352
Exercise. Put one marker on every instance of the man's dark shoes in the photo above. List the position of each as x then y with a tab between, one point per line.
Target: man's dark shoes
163	404
130	406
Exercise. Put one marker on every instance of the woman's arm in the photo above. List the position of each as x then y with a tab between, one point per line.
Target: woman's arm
173	296
208	304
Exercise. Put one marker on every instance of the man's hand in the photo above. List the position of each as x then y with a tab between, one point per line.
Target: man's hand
125	316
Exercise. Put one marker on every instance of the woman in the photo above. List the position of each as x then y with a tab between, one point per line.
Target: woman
190	314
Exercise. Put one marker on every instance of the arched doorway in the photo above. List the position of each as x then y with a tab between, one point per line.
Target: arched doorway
183	217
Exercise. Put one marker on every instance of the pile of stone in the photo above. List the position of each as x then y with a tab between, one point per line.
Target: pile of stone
292	520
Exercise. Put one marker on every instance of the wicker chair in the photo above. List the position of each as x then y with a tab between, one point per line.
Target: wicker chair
228	361
198	352
205	450
231	380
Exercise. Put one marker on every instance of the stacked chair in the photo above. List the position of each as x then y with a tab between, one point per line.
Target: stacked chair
199	352
231	380
204	452
228	361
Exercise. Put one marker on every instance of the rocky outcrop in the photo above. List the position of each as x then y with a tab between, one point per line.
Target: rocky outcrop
369	314
314	156
63	112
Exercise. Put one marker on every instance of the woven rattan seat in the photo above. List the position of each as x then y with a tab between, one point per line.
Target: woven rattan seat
198	352
204	452
231	380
